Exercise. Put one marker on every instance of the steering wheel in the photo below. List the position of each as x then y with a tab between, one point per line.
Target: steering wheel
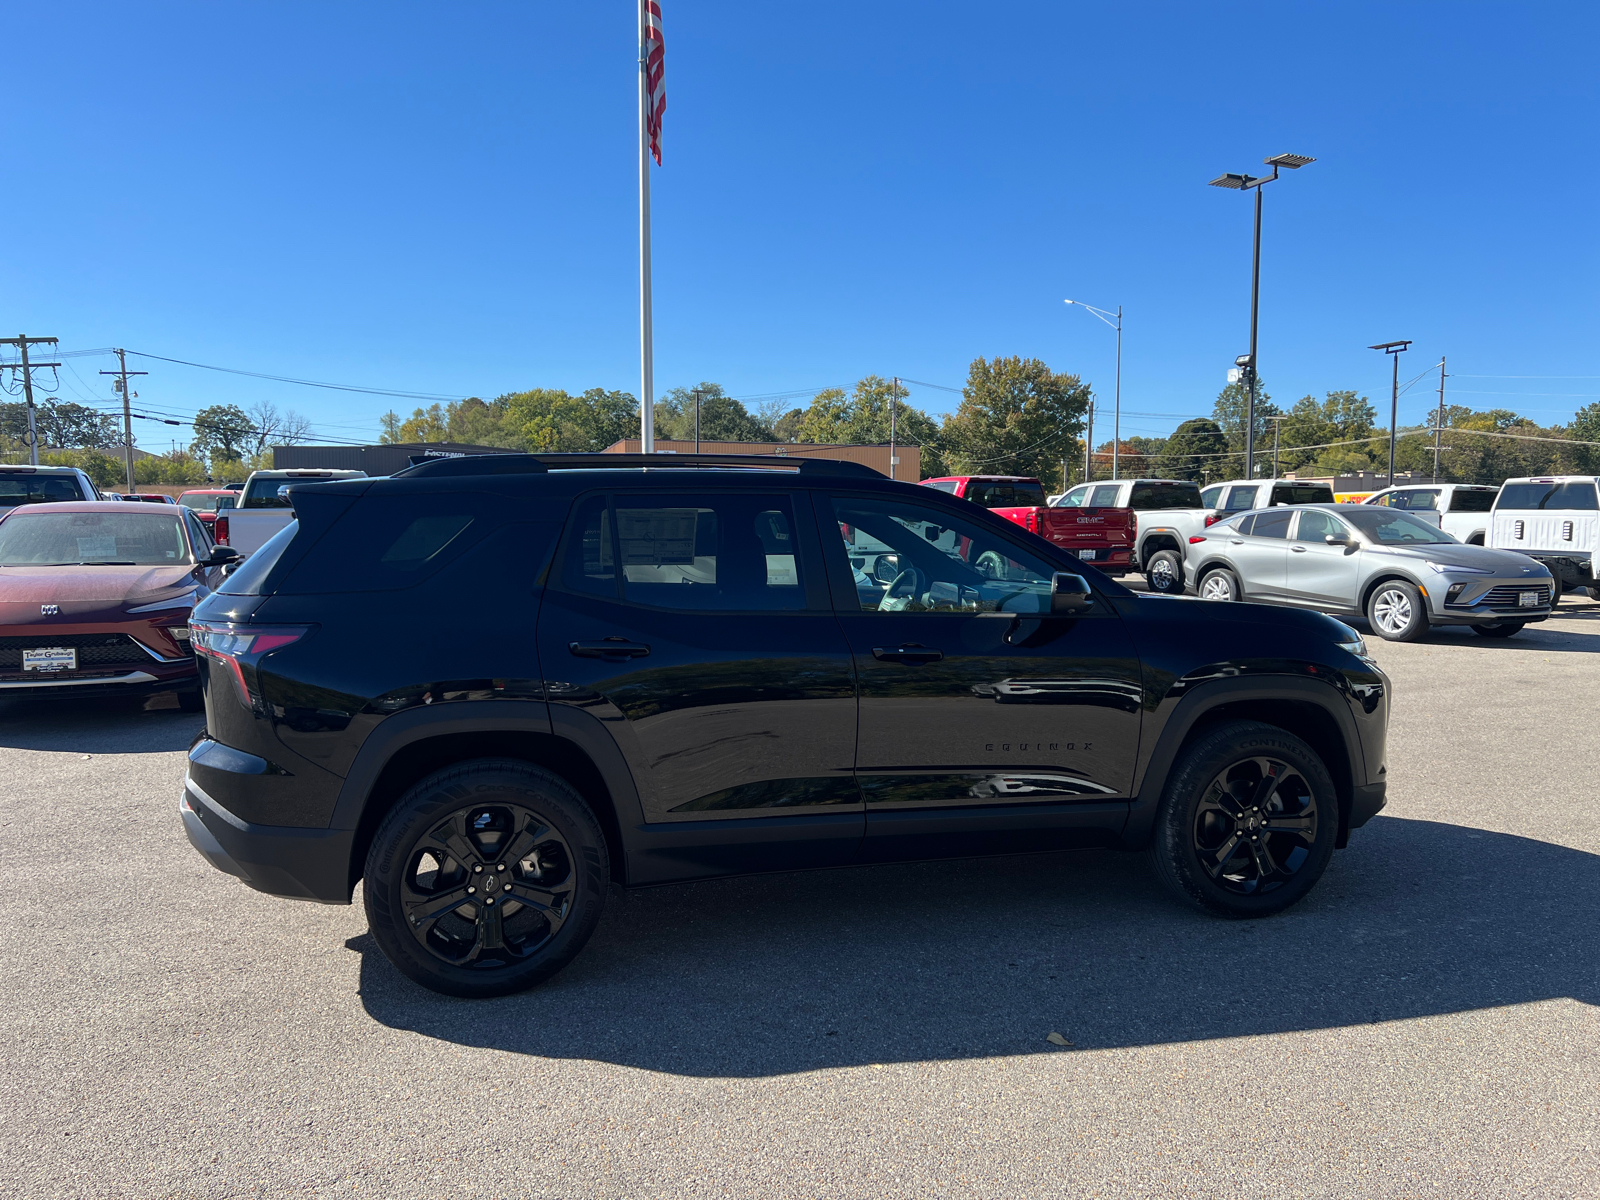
906	587
991	565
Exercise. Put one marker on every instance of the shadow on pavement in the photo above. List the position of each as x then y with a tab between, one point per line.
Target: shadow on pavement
109	725
772	975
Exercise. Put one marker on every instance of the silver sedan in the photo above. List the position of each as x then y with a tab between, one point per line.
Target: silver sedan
1401	573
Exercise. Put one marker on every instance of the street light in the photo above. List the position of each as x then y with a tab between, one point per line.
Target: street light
1394	350
1244	183
1116	420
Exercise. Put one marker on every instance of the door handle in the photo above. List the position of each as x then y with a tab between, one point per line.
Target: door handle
1237	541
612	649
911	654
1297	549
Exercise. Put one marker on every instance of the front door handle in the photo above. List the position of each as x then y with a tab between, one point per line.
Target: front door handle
1298	549
1237	541
911	654
612	649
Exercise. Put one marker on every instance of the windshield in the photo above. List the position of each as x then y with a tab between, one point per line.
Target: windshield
38	489
201	502
263	493
1391	527
59	539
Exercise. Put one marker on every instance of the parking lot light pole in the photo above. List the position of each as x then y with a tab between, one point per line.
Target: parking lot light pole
1245	183
1116	420
1394	350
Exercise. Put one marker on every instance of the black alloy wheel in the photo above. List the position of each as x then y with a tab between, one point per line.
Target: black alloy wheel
1499	629
1164	573
1220	584
486	878
1248	821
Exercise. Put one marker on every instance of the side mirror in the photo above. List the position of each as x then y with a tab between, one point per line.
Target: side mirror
222	556
1333	539
1069	595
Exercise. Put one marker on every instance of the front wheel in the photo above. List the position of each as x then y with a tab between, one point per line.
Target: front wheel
486	878
1247	822
1397	611
1164	572
1499	629
1220	584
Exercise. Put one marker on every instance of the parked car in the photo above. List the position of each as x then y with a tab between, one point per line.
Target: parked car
21	485
150	497
697	684
1166	512
1460	509
1242	495
1554	519
1401	573
206	503
95	599
264	508
1101	535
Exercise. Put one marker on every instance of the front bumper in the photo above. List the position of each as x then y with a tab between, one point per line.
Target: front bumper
130	683
301	864
1489	601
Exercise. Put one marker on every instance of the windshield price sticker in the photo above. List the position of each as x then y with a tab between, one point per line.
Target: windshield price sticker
50	658
100	546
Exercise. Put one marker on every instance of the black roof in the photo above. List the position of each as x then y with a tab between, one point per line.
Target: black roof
540	464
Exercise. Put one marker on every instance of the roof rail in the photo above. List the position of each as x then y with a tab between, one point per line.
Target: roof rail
538	464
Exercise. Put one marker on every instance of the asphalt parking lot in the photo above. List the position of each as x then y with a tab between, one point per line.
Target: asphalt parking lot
1424	1025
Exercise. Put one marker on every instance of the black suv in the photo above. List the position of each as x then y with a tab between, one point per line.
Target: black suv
491	687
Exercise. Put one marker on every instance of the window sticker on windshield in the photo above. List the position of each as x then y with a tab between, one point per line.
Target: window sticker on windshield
99	546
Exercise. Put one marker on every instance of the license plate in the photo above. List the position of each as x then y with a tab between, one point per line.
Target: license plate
1527	599
1086	555
50	658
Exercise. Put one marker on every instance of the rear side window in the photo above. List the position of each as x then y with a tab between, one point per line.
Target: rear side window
1301	493
39	489
1273	523
1010	494
1104	496
1471	502
1165	495
1566	496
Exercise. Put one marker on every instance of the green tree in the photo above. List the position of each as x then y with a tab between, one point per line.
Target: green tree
861	418
1196	450
222	431
1016	417
389	428
425	425
722	418
1229	412
1585	427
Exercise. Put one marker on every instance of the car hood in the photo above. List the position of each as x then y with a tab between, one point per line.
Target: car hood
88	585
1501	562
1264	618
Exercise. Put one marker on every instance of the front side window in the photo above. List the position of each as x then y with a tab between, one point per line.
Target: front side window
1421	500
1074	498
1242	497
1209	497
1392	527
59	539
1104	495
1165	495
1274	523
1386	499
1317	526
906	558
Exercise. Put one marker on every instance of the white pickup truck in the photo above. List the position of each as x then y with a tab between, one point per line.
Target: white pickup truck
1460	509
1555	519
262	510
1166	513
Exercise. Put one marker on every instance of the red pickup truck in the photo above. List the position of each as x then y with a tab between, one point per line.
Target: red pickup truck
1102	536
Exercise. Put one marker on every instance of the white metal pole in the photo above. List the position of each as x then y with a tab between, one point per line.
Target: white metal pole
647	413
1116	422
894	394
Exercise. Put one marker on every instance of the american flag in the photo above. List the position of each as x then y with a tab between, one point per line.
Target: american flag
655	75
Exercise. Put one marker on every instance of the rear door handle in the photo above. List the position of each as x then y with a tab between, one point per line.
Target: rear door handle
910	654
613	649
1237	541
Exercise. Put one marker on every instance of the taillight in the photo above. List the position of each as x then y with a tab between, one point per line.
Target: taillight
219	530
1211	519
1196	540
239	648
1034	521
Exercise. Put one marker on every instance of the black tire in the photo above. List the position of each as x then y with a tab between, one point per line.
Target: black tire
1594	592
1499	629
1164	572
1211	808
1219	584
1397	611
192	701
480	824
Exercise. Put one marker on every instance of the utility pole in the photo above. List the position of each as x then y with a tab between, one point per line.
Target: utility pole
1277	436
1438	426
121	384
697	420
894	394
1394	350
1088	446
22	342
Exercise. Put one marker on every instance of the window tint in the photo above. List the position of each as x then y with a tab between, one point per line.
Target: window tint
906	558
1074	498
1242	497
385	541
263	493
1011	494
1165	495
944	485
1274	523
726	552
591	564
1208	498
1104	496
1315	525
39	489
1471	501
1574	495
1302	493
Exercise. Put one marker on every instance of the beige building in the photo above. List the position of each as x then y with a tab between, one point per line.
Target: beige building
908	466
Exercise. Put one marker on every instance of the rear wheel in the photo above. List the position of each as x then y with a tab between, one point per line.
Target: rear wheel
1397	611
1247	822
486	878
1499	629
1164	572
1220	584
1594	591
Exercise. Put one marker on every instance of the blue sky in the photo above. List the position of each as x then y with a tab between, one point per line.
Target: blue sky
440	199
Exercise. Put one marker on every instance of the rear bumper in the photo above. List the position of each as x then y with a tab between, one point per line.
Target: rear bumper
130	683
301	864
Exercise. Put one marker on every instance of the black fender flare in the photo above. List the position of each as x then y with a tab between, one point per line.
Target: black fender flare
1213	694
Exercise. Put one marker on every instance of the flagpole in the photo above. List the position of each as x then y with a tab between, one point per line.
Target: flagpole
647	414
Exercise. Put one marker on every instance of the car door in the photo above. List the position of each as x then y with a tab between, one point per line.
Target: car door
973	698
697	627
1260	553
1319	575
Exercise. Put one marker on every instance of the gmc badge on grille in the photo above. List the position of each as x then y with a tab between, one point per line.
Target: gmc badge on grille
49	610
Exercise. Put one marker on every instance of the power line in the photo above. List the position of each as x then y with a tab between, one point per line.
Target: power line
336	387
